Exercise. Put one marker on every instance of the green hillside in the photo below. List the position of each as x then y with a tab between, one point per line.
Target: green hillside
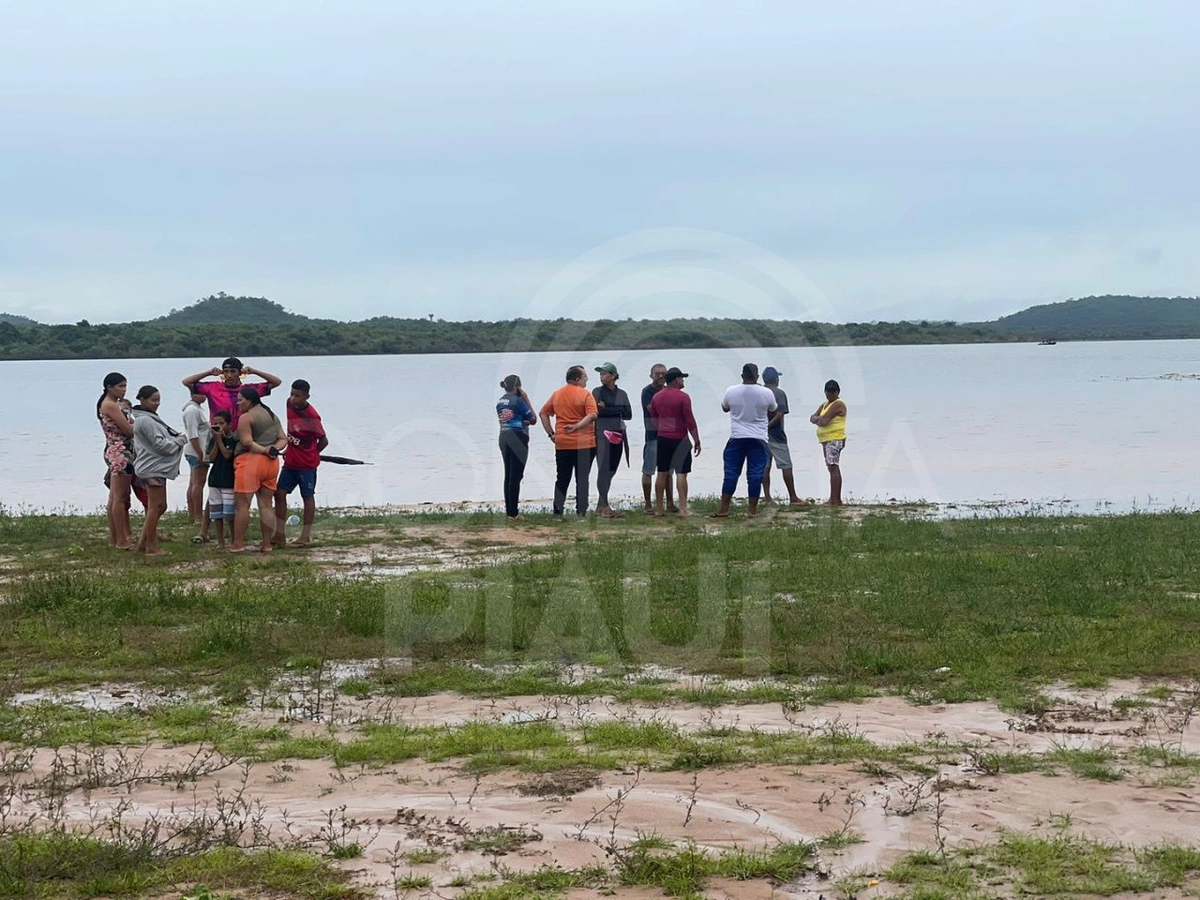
12	319
1106	318
222	309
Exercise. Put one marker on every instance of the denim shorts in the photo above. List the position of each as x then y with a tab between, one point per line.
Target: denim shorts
305	479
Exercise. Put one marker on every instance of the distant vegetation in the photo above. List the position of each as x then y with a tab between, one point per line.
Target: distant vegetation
16	320
1107	318
254	326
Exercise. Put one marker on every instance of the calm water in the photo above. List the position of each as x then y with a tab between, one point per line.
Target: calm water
1097	424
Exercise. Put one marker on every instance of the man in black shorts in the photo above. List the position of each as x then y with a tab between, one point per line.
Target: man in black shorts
671	408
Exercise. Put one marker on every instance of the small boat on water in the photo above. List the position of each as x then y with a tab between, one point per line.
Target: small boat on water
1047	343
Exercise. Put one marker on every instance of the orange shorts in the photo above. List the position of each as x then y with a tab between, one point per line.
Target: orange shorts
254	471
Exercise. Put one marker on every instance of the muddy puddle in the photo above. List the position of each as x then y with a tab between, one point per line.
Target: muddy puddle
570	818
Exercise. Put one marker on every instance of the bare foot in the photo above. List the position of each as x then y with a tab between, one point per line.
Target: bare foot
799	502
298	542
682	512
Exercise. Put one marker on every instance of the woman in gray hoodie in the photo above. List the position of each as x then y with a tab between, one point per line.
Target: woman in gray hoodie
157	449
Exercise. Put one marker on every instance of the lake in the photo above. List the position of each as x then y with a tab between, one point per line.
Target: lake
1098	425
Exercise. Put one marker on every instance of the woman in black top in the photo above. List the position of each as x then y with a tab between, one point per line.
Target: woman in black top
613	411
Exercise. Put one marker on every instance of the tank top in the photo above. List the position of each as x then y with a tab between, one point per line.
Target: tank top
835	430
264	429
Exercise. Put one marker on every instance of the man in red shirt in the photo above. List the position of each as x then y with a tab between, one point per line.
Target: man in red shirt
672	409
573	409
306	440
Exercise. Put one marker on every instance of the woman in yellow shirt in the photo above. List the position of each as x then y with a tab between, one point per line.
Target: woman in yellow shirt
830	419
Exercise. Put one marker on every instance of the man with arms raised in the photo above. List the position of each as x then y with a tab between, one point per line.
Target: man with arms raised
223	394
671	408
306	440
658	378
749	405
777	442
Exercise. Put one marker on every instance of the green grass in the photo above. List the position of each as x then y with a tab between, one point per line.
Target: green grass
1006	604
61	865
1062	865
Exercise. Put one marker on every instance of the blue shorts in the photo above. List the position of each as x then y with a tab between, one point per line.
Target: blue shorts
290	479
194	462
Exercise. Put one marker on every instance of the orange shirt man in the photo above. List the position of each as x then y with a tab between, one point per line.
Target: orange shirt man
573	409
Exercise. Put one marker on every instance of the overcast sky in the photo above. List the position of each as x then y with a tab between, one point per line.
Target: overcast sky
878	160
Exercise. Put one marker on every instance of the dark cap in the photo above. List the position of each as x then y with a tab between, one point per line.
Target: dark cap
770	373
674	373
232	363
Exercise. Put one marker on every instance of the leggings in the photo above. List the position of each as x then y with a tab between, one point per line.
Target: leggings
608	460
514	449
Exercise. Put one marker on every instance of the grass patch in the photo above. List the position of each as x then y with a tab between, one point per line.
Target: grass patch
1062	865
58	864
848	608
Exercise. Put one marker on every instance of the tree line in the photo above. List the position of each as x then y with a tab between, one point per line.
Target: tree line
385	335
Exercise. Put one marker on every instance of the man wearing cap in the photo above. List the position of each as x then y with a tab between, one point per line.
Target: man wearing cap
613	410
749	405
222	395
671	408
573	410
777	440
658	378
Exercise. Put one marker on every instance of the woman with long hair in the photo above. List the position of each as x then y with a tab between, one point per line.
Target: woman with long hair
159	448
261	436
515	412
117	425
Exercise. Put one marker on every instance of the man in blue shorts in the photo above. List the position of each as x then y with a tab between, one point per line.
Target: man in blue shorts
306	440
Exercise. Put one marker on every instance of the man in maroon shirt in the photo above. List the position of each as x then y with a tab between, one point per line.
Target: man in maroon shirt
672	409
306	440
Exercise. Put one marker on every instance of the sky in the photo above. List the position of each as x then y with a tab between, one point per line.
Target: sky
485	160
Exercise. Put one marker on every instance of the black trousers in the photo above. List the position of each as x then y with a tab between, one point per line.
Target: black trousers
514	449
579	464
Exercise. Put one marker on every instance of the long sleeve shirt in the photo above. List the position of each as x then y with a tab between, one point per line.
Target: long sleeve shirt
615	411
672	409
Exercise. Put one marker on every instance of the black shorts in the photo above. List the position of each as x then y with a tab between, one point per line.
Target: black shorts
674	454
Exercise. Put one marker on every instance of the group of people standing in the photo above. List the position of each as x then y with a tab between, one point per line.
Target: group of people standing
588	428
235	451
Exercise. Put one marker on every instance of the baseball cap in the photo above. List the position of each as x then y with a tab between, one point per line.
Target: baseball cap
770	373
609	368
674	372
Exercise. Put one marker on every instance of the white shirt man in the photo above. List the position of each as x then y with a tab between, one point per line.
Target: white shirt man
749	405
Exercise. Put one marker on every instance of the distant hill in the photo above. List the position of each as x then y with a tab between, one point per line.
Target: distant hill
11	319
1106	318
221	309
